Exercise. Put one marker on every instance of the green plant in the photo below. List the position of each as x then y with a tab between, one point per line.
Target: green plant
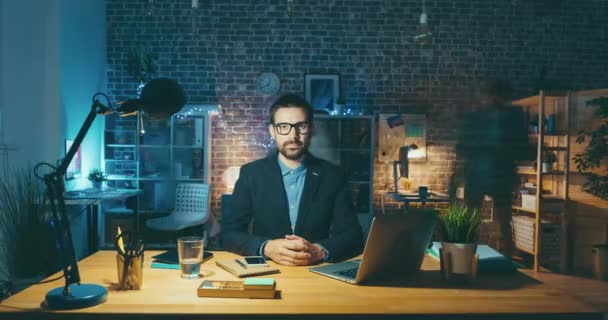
97	175
549	157
141	65
459	224
596	151
25	234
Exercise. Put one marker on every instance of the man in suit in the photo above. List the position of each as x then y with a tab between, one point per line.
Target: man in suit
299	206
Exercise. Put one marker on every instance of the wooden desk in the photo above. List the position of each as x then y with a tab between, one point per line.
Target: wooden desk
307	295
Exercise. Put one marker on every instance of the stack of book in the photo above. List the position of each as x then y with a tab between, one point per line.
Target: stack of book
258	288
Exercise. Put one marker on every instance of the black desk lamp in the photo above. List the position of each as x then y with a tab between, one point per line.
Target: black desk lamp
403	164
160	97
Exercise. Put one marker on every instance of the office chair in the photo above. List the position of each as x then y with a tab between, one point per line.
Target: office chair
191	209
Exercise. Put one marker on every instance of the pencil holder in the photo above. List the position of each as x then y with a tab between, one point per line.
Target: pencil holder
130	276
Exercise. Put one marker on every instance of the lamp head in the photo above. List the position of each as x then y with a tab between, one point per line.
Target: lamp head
403	159
160	98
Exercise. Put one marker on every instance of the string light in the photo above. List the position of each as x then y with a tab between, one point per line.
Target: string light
221	123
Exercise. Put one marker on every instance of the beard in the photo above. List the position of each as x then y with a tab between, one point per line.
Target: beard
293	150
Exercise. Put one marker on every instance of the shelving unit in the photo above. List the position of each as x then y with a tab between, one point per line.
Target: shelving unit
550	205
171	151
348	141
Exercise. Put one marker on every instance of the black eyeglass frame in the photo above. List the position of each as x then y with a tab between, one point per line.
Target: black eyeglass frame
296	125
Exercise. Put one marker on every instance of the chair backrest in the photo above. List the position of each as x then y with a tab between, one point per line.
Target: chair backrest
191	198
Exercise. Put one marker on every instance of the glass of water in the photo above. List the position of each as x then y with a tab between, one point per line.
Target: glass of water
190	251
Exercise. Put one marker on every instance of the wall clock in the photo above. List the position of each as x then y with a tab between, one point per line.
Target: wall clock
268	83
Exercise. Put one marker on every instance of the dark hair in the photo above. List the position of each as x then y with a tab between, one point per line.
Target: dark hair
291	100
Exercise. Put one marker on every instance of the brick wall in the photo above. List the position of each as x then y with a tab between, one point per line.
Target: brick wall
370	44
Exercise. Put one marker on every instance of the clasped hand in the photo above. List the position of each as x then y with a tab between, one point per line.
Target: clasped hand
294	251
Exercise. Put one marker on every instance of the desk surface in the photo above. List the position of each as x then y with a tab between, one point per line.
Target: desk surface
106	194
308	295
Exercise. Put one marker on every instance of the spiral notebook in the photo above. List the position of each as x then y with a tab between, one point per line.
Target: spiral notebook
236	269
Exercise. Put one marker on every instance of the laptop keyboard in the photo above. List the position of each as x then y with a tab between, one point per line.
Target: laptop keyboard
348	273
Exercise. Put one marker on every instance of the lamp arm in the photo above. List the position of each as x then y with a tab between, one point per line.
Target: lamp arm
55	189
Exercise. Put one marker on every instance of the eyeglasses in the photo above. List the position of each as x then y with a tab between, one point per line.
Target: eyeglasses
284	128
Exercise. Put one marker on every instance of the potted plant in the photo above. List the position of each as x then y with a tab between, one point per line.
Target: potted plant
97	177
549	158
591	162
141	66
26	236
459	227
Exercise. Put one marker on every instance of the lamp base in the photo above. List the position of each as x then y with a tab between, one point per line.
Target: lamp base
81	296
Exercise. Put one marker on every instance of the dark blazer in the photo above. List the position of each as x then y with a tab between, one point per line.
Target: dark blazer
325	215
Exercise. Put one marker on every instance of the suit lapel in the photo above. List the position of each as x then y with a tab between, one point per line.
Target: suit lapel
313	179
275	183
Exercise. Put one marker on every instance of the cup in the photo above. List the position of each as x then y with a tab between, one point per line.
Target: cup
423	193
130	271
190	252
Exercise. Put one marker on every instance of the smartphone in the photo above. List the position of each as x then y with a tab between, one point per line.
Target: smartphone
255	261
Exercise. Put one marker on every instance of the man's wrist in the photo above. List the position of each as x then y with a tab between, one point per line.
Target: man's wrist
326	255
261	250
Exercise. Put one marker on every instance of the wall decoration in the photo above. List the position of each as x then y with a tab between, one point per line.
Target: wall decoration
322	90
396	130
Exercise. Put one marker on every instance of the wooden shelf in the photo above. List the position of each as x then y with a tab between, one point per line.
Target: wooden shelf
555	172
551	135
531	172
518	208
535	100
548	205
524	250
552	198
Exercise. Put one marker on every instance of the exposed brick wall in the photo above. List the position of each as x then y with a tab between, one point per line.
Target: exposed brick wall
369	43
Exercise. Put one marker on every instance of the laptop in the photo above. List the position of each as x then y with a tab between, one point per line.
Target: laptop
396	245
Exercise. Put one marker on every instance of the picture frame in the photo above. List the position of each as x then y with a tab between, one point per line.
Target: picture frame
322	91
75	168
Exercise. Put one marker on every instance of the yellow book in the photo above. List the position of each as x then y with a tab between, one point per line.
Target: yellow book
233	289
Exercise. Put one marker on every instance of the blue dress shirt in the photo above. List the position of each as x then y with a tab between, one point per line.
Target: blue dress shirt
293	181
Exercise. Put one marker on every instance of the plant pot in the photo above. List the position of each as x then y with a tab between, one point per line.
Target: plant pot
97	184
339	108
461	256
600	261
547	167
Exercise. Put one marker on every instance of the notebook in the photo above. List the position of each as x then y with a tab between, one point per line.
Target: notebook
490	260
395	246
236	269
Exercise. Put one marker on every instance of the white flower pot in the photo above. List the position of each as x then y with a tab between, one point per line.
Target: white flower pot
547	167
97	184
461	256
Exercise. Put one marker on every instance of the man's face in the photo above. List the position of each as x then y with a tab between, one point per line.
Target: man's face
294	144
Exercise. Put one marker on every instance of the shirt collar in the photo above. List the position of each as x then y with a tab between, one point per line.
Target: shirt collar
286	170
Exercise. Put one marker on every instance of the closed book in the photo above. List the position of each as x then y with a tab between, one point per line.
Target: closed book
232	266
259	283
232	289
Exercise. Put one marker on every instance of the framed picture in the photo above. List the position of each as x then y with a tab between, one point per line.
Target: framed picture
75	168
322	90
